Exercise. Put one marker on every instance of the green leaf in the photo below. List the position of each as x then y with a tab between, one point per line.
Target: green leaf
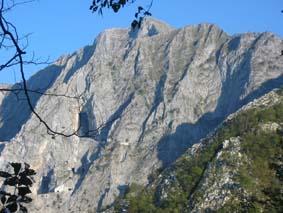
23	190
24	180
23	209
3	199
5	174
4	193
28	172
134	24
13	207
27	166
17	167
25	199
147	13
12	198
13	181
115	7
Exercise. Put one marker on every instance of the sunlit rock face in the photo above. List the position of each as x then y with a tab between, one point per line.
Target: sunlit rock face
158	91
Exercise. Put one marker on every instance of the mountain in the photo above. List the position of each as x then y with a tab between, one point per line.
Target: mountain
238	168
152	93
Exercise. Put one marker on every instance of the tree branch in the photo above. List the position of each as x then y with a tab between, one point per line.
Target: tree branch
17	59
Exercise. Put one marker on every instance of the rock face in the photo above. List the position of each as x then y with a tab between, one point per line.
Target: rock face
237	168
152	93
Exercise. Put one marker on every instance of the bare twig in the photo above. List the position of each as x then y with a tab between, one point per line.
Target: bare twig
9	32
17	90
15	4
9	39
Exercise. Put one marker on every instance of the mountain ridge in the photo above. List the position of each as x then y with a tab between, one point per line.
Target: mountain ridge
236	168
158	93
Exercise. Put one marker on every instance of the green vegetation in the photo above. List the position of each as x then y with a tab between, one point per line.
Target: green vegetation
260	175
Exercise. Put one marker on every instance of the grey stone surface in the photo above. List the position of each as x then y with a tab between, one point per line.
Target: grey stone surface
158	90
220	180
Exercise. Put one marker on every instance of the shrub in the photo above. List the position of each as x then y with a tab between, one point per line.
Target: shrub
19	183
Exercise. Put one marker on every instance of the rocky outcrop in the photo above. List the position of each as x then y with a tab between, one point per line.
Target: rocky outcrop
154	93
238	168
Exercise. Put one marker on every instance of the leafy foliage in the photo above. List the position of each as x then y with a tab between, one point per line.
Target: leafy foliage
116	5
19	182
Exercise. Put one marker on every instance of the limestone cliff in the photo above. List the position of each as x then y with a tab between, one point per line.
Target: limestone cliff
158	90
237	168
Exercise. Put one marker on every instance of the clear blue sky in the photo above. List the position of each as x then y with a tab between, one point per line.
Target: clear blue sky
62	26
